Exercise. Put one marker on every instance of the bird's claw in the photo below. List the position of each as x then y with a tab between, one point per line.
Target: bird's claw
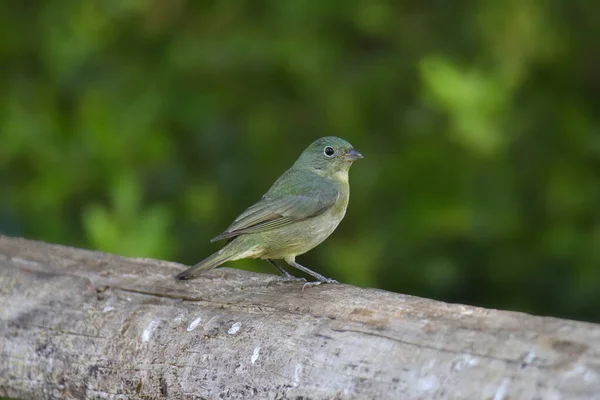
317	283
292	279
311	284
286	279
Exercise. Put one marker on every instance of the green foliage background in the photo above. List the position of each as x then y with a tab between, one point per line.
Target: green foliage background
144	127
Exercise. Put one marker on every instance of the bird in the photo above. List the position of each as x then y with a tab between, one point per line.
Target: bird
300	210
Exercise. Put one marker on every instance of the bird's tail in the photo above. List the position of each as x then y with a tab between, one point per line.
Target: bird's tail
210	262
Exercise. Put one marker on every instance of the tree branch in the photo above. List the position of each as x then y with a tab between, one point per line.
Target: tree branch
81	324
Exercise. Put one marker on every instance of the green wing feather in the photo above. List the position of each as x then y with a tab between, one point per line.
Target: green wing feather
295	196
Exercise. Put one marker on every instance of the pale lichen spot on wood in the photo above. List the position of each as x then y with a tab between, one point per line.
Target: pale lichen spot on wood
430	364
24	262
297	374
107	308
194	324
428	384
149	330
529	358
235	328
465	362
502	390
255	355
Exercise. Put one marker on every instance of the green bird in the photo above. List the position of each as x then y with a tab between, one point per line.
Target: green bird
300	210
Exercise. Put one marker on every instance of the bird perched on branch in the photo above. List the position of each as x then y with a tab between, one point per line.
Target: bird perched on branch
300	210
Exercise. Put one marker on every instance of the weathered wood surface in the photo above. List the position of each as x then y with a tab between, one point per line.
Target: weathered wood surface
87	325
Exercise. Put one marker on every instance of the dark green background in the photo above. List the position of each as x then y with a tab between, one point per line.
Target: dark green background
144	127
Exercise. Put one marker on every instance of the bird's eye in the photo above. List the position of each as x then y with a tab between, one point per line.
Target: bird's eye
329	151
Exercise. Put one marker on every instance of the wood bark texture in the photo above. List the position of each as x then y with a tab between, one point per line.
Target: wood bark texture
77	324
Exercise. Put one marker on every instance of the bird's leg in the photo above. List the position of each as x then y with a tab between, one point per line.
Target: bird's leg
320	278
286	275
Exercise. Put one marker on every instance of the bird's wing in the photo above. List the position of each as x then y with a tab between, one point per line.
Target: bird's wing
274	212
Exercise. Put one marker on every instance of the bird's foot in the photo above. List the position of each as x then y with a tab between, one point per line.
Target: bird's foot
292	279
287	279
317	283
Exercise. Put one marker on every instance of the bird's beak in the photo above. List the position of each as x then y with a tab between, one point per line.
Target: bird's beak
352	155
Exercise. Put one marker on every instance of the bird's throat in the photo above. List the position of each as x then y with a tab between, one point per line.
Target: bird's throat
342	175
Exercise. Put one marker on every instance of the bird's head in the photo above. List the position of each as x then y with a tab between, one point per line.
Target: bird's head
328	156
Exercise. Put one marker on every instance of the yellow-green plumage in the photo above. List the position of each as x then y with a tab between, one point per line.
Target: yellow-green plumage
300	210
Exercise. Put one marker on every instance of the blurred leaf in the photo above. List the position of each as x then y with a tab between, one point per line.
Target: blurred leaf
126	228
473	101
